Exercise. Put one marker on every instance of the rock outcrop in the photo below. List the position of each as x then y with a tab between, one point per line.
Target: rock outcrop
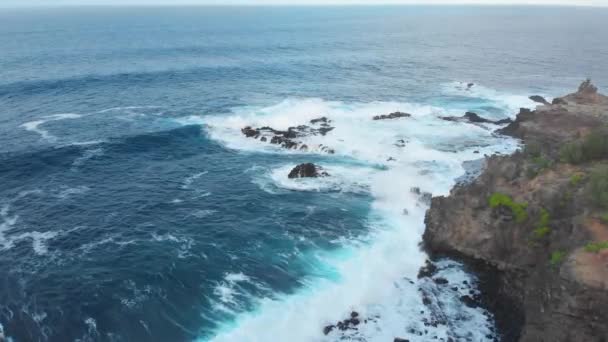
530	220
307	170
394	115
474	118
290	138
539	99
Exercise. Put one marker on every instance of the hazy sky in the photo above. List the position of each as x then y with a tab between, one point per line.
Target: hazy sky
20	3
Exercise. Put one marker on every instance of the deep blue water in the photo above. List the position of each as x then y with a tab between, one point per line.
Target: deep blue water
127	216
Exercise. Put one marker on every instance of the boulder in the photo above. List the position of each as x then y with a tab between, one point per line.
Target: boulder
307	170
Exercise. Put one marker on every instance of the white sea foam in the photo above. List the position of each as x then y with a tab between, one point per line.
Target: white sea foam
67	191
191	179
375	276
8	224
86	156
511	103
34	126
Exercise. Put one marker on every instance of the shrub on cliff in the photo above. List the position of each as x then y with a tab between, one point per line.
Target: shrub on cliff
593	147
557	257
598	187
518	209
596	247
542	229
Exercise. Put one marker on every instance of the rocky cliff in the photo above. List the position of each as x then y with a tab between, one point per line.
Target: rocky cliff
537	221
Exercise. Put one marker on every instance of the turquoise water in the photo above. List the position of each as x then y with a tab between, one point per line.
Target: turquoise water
133	209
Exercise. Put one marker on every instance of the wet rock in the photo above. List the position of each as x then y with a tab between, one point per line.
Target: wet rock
400	143
394	115
424	197
469	301
290	138
328	329
440	281
321	120
307	170
250	132
475	118
539	99
428	270
398	339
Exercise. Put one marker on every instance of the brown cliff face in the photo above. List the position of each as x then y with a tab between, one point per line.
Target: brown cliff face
530	217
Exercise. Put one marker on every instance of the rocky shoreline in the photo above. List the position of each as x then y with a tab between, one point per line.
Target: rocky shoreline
534	225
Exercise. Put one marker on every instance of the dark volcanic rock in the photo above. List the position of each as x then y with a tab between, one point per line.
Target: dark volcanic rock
307	170
398	339
290	138
475	118
539	99
322	120
394	115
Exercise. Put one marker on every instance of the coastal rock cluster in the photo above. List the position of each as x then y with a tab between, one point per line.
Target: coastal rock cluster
536	223
290	138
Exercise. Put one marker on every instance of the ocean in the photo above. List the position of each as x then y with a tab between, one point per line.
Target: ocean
132	208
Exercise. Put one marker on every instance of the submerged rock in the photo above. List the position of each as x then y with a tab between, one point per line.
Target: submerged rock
307	170
347	324
394	115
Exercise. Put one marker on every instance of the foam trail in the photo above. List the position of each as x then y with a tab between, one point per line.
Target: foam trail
34	126
376	276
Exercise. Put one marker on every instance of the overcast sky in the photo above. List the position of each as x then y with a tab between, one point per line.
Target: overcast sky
21	3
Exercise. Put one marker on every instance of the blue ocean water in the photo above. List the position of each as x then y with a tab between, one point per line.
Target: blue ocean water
133	209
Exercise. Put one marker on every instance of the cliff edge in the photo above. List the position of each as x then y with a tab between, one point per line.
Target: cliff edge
538	222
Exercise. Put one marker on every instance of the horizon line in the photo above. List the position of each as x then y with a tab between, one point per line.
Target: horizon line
362	4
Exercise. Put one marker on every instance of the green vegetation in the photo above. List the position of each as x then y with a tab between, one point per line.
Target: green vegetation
593	147
604	218
542	229
596	247
518	209
557	257
598	187
544	218
539	164
576	179
541	232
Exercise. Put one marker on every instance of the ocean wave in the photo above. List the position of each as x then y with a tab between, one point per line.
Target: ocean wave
395	161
